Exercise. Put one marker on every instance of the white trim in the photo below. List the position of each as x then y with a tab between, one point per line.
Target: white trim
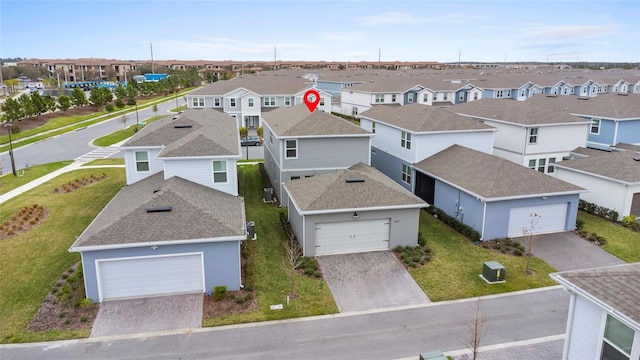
523	124
98	261
375	208
213	172
212	157
285	150
559	165
156	243
370	134
492	129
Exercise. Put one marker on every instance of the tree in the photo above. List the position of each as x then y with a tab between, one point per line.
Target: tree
27	105
39	106
294	259
120	92
95	97
12	110
64	102
476	327
109	108
123	120
154	108
78	98
530	235
50	103
119	103
243	132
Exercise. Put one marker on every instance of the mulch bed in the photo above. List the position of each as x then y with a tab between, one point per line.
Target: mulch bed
79	183
28	218
235	302
37	121
504	246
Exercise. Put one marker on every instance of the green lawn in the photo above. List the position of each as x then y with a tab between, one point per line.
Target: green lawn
33	261
9	182
107	161
621	241
123	134
457	263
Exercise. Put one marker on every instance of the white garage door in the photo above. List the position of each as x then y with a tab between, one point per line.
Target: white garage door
148	276
552	219
352	236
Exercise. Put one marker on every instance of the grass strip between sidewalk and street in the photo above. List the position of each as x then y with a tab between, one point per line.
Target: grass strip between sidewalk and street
107	161
117	136
9	182
621	241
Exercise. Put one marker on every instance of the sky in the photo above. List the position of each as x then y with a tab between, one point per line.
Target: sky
330	30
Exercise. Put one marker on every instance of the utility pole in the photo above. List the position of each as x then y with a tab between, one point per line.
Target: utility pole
379	53
4	91
152	68
275	61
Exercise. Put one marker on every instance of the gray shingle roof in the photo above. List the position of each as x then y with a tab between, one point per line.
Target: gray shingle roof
616	286
198	212
299	121
619	165
262	84
212	133
423	118
490	176
604	105
332	192
386	84
519	112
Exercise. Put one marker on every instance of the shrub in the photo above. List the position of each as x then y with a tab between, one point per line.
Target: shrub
517	252
240	300
629	220
86	302
83	318
579	224
398	249
463	229
219	292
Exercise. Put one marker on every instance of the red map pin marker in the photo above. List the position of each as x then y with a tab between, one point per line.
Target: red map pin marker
311	99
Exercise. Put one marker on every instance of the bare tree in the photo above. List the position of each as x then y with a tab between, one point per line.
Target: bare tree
476	327
123	120
530	235
294	259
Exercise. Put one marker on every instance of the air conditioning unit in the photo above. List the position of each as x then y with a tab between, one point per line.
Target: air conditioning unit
493	272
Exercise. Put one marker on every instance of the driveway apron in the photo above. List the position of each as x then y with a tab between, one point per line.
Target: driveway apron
369	280
146	315
567	251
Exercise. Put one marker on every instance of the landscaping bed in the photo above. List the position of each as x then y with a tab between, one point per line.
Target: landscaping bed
28	218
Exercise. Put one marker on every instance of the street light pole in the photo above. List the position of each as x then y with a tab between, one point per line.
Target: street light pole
177	101
137	121
8	125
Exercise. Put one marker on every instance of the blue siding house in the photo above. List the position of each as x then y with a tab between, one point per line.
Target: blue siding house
496	197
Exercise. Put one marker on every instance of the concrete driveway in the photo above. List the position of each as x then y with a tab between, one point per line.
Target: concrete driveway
147	315
369	280
568	251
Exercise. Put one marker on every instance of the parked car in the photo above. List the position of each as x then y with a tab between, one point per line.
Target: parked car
251	141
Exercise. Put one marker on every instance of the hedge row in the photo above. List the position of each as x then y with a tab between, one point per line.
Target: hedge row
594	209
463	229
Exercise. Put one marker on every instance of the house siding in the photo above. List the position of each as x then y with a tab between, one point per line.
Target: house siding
221	261
155	165
389	165
449	199
585	330
200	171
427	145
606	135
629	132
335	153
403	226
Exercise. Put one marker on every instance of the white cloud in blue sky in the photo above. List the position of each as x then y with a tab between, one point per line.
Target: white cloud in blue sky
329	30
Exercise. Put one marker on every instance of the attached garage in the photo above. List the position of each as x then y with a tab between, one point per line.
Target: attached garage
352	236
150	276
635	204
552	218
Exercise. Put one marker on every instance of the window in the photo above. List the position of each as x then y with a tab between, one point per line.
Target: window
295	178
551	168
532	164
425	97
542	165
269	101
287	101
445	97
270	138
461	96
406	174
617	340
379	98
197	102
393	97
354	111
216	101
250	102
142	161
321	101
475	96
405	140
219	172
498	93
595	126
533	135
232	102
508	93
410	98
291	149
373	127
522	93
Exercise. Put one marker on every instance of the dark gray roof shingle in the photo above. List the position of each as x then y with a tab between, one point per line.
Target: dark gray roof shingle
619	165
332	192
198	212
299	121
612	106
616	286
423	118
212	133
519	112
490	176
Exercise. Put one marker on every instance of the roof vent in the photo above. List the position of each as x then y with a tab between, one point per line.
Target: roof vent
354	180
583	98
552	95
157	189
636	158
182	126
623	94
159	209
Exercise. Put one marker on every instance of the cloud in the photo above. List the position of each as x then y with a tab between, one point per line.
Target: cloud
556	33
389	18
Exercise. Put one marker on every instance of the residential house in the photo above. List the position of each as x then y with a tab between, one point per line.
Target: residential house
246	98
405	135
352	210
382	90
494	196
612	178
604	314
178	224
299	143
529	133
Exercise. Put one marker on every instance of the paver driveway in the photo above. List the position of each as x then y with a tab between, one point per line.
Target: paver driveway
146	315
369	280
568	251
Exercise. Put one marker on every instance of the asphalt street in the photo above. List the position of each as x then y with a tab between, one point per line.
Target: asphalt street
390	334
